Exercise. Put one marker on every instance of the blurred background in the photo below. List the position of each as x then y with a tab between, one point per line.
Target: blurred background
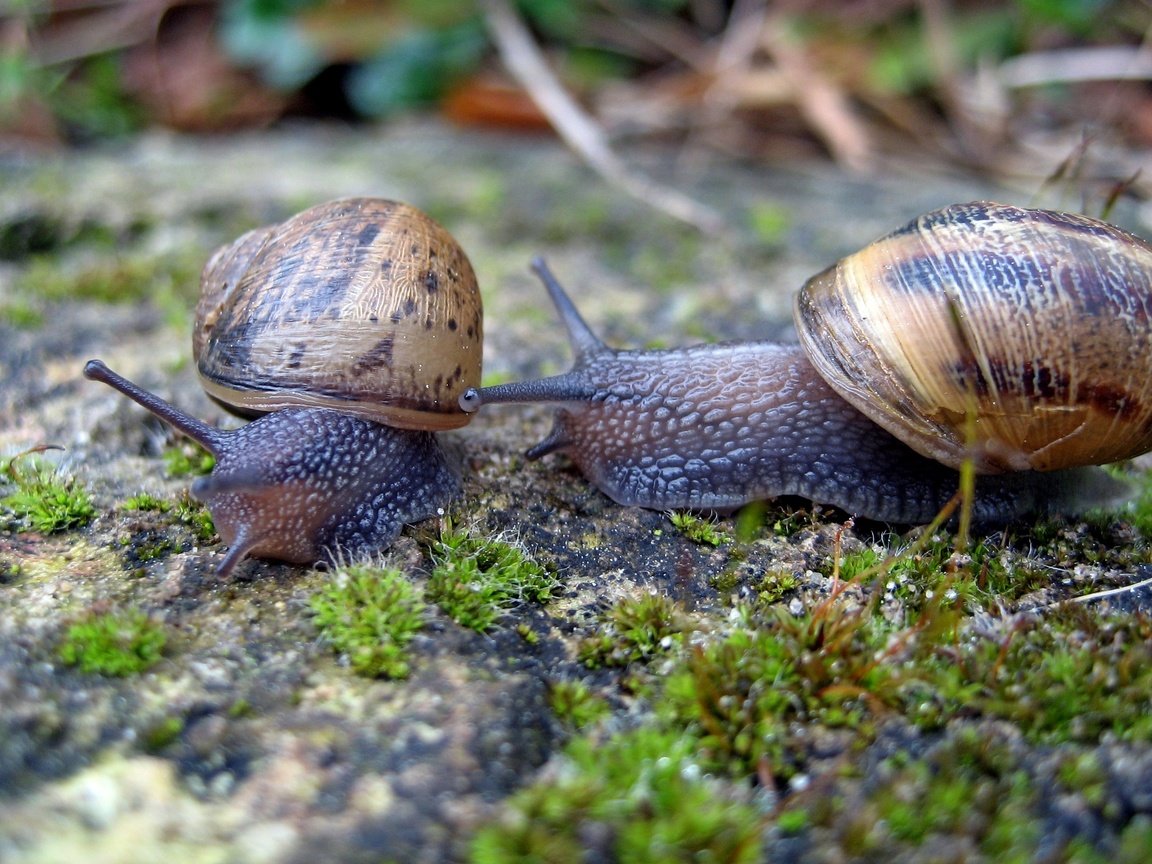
1055	87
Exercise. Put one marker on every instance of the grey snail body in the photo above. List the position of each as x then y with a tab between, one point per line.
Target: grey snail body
348	332
718	426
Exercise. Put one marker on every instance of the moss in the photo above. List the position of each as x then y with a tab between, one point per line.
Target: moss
193	514
370	615
21	314
758	518
475	580
1074	677
857	564
117	643
917	573
792	821
639	796
576	705
1135	841
969	791
1070	677
146	503
1141	513
698	529
169	279
669	261
241	708
956	790
10	571
583	215
1082	774
184	458
745	695
481	197
162	733
769	222
776	585
635	630
149	545
726	581
44	500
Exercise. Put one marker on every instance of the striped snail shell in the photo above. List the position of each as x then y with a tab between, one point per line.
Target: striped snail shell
1019	338
363	305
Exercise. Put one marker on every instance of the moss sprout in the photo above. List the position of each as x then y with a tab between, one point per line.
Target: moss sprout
182	511
639	796
162	733
146	503
576	705
43	499
193	514
475	579
776	585
769	222
116	643
962	787
1141	514
168	278
186	459
634	630
697	529
370	614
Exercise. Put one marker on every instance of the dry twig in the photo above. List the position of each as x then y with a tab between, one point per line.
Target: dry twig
526	63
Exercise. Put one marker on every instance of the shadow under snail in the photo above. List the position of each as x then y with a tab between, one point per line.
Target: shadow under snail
1019	339
349	331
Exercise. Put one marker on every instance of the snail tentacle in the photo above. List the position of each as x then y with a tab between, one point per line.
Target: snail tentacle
200	432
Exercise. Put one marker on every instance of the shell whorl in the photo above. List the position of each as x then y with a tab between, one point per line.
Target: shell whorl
1040	319
363	305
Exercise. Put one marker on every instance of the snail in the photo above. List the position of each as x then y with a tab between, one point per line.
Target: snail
1017	339
349	332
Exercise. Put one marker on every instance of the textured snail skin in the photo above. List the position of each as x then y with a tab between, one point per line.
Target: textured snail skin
718	426
305	485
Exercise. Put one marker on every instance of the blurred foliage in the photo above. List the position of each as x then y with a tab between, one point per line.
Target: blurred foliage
77	71
903	61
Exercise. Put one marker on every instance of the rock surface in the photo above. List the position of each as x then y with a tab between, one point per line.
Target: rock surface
251	740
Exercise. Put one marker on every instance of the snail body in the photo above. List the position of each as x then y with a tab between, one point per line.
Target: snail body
306	484
718	426
347	332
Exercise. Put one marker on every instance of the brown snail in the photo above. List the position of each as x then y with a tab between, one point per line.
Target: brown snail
349	331
1019	339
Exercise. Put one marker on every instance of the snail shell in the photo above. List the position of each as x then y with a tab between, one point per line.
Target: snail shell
1038	320
362	305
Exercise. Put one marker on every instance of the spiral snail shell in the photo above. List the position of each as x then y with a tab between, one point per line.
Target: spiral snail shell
364	305
1040	317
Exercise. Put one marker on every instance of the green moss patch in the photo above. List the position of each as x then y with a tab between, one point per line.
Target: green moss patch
638	796
187	459
576	705
369	615
698	529
634	630
42	498
117	643
477	579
